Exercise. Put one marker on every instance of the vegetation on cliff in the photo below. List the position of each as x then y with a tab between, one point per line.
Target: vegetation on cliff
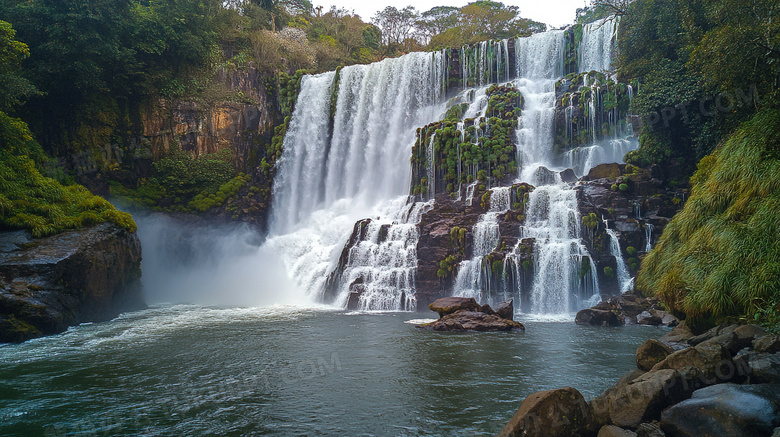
720	256
29	200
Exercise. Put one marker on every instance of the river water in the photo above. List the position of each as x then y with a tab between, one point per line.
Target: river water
284	370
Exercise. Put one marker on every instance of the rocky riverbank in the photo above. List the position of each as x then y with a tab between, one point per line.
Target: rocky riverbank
725	382
49	284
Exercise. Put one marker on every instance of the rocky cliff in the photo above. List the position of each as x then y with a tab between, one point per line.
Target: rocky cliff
79	276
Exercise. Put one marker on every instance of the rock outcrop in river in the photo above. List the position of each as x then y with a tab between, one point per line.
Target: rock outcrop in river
48	284
462	314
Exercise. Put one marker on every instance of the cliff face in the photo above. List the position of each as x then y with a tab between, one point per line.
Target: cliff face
48	284
203	128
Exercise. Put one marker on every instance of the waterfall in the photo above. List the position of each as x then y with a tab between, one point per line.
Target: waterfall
649	228
596	45
625	281
337	170
384	263
582	159
473	273
553	221
346	160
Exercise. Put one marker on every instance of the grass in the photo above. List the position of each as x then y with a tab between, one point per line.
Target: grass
720	256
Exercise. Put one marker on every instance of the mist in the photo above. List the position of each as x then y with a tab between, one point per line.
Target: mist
213	265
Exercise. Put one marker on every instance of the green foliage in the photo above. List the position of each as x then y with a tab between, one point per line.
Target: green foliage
719	258
31	201
631	250
609	272
447	267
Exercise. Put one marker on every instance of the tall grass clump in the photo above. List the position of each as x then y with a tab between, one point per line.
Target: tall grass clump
719	257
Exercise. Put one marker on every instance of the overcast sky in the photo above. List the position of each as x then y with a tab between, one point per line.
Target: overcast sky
556	13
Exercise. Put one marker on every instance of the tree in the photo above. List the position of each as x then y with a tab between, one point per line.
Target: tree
483	20
397	25
436	20
14	89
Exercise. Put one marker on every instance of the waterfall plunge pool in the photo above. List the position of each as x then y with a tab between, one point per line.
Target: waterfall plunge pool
285	370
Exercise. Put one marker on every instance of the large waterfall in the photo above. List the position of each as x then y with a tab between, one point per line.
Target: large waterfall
346	158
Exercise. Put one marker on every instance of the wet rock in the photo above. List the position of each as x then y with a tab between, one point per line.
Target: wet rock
614	431
725	410
449	305
79	276
597	317
644	398
568	176
728	341
506	310
768	344
764	368
604	171
487	309
649	430
712	360
645	318
651	353
554	413
678	337
465	320
353	302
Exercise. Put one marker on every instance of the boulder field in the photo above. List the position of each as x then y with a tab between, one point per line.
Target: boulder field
725	382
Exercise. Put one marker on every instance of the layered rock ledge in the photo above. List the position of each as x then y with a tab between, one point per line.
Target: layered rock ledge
49	284
462	314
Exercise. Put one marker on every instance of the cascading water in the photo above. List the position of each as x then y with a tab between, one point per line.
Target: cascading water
473	274
597	44
649	228
333	173
351	162
625	281
582	159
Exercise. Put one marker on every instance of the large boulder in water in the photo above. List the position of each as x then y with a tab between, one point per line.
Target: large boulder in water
553	413
597	317
465	320
449	305
725	410
506	310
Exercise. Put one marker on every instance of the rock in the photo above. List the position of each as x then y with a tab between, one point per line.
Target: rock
545	176
768	344
711	359
725	410
644	398
714	332
78	276
776	433
506	310
651	353
670	320
678	337
645	318
728	341
486	309
553	413
764	368
568	176
449	305
600	405
353	302
614	431
604	171
595	317
749	332
465	320
649	430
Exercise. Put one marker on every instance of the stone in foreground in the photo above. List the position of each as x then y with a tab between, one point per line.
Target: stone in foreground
725	410
554	413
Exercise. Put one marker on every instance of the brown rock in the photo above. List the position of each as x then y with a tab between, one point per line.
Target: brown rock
449	305
645	318
768	344
604	171
649	430
651	353
596	317
506	310
614	431
465	320
644	398
711	359
554	413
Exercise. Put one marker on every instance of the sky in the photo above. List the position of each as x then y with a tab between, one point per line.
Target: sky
556	13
